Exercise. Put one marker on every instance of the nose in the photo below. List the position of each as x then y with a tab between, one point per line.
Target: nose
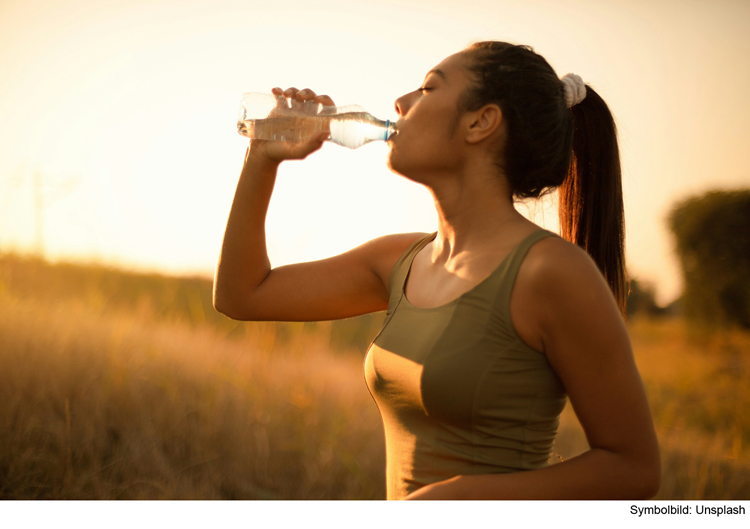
401	105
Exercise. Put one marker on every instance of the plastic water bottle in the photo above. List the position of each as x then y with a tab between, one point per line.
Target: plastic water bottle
268	117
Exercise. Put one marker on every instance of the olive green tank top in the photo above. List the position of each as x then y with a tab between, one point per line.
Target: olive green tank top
458	391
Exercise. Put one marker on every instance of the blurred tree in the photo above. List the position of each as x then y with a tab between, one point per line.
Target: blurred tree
713	243
642	299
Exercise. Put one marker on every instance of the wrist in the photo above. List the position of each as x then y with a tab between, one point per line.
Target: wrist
258	160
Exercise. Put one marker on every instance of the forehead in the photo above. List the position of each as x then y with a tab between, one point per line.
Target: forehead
452	65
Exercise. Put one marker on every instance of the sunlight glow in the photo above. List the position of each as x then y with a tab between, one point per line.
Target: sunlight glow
128	110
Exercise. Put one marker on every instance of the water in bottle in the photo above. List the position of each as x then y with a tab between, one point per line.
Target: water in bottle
266	117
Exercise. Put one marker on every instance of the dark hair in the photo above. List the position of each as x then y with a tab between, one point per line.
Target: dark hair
548	145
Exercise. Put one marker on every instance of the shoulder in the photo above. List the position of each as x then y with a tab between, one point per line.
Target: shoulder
559	290
390	247
553	264
382	253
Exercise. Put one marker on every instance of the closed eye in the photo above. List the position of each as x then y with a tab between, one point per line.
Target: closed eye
425	88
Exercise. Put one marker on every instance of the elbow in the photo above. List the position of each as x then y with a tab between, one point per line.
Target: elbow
643	464
228	310
654	470
647	478
217	299
231	309
635	476
648	486
235	299
220	304
223	305
651	481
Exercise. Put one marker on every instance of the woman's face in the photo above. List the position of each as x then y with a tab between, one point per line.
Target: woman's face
428	140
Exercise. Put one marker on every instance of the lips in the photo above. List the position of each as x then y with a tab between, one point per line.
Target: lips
395	131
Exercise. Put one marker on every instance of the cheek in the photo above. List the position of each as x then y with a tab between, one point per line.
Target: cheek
426	145
423	154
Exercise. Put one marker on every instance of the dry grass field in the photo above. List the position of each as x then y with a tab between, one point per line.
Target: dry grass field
116	385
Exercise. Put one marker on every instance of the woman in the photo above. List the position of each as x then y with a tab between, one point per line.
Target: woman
470	380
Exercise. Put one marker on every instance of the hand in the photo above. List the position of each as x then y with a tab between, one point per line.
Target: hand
441	490
300	102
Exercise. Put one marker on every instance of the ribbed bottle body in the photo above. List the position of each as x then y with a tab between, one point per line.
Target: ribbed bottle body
348	126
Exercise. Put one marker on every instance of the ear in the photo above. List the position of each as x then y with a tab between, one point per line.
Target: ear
483	123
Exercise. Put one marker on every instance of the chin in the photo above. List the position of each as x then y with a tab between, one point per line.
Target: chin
390	165
407	166
400	170
393	164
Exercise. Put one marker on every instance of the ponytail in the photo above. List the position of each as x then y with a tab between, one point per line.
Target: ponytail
552	145
590	198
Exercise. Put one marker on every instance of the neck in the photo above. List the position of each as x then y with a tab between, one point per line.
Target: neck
475	214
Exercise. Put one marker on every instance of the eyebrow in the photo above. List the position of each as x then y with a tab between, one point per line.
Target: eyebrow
438	71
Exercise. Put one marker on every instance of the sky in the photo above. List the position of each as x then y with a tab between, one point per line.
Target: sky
118	139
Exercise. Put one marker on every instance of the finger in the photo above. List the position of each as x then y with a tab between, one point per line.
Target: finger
295	101
328	107
308	104
306	94
291	94
280	99
325	100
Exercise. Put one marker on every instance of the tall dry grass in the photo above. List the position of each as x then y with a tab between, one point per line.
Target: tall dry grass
700	398
120	407
112	386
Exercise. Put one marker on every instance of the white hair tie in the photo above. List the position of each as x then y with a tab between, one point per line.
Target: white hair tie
575	89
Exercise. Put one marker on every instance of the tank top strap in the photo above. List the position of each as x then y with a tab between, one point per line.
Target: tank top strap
401	269
507	276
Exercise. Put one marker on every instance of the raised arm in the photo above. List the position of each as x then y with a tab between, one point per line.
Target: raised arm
245	285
